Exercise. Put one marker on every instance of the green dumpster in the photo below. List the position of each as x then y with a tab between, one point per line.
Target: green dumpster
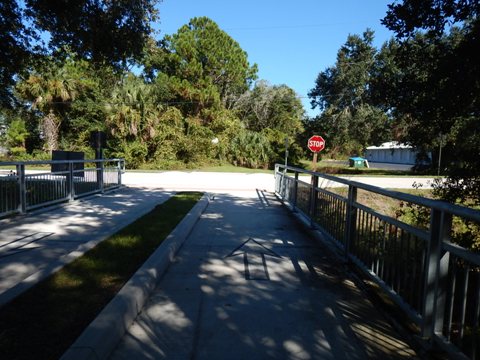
357	162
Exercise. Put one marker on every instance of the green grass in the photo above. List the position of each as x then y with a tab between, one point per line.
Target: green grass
225	168
336	168
44	321
328	167
233	169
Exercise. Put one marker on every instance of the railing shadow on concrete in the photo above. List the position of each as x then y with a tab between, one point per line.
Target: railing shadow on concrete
23	190
435	282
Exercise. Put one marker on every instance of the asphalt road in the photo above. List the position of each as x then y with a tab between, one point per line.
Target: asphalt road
211	181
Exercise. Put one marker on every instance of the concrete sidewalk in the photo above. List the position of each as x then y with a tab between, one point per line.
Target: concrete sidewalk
34	246
248	283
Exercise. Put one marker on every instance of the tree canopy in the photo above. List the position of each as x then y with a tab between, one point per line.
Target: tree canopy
435	16
65	72
179	112
349	119
436	93
14	48
201	56
100	31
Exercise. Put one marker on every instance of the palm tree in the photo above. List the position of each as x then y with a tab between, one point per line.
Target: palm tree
49	92
129	108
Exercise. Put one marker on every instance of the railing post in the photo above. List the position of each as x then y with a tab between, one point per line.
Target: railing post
436	274
119	167
295	191
313	199
100	176
22	189
442	286
351	219
70	185
277	182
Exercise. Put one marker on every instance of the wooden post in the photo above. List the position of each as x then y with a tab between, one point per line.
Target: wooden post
314	165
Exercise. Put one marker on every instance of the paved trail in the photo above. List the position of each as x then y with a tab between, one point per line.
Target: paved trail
249	284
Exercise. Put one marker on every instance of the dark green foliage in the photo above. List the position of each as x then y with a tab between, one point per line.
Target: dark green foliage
250	149
435	92
62	94
111	32
274	107
181	113
350	119
277	112
204	63
14	48
102	32
406	17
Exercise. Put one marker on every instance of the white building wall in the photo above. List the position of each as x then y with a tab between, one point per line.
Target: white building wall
391	153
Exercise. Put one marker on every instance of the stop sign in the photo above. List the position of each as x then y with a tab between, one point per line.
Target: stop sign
316	143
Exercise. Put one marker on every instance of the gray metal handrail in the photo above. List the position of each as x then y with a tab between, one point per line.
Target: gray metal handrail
49	162
24	190
435	282
432	203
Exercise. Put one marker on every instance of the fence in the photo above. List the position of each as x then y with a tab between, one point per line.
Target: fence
416	262
23	190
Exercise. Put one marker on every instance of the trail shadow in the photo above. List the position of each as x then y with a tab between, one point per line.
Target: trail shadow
207	306
72	229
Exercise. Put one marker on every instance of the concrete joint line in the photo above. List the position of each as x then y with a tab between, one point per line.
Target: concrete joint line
101	337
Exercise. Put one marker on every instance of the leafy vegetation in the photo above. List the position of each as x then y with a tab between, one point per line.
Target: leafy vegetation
188	107
195	100
65	303
419	88
349	119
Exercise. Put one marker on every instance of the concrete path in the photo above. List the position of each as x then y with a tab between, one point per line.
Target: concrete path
34	246
249	284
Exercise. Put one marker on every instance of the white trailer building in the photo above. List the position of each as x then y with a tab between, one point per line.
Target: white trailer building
391	152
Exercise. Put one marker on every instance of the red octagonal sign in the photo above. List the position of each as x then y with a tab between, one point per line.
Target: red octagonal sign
316	143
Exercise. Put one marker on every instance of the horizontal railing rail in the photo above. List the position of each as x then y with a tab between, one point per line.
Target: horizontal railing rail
414	260
23	189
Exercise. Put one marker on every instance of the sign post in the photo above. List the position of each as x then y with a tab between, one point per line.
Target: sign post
316	144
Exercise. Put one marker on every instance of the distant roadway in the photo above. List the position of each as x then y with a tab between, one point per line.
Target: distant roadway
212	181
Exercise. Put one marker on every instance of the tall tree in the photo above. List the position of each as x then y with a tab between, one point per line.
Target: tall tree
100	31
439	100
277	112
407	17
342	92
16	136
276	107
204	63
14	48
51	92
112	32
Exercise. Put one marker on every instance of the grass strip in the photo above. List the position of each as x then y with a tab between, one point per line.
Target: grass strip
45	320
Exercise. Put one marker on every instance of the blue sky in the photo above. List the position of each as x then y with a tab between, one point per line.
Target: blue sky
291	41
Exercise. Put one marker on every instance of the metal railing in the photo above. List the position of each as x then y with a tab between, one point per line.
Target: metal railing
23	190
433	280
